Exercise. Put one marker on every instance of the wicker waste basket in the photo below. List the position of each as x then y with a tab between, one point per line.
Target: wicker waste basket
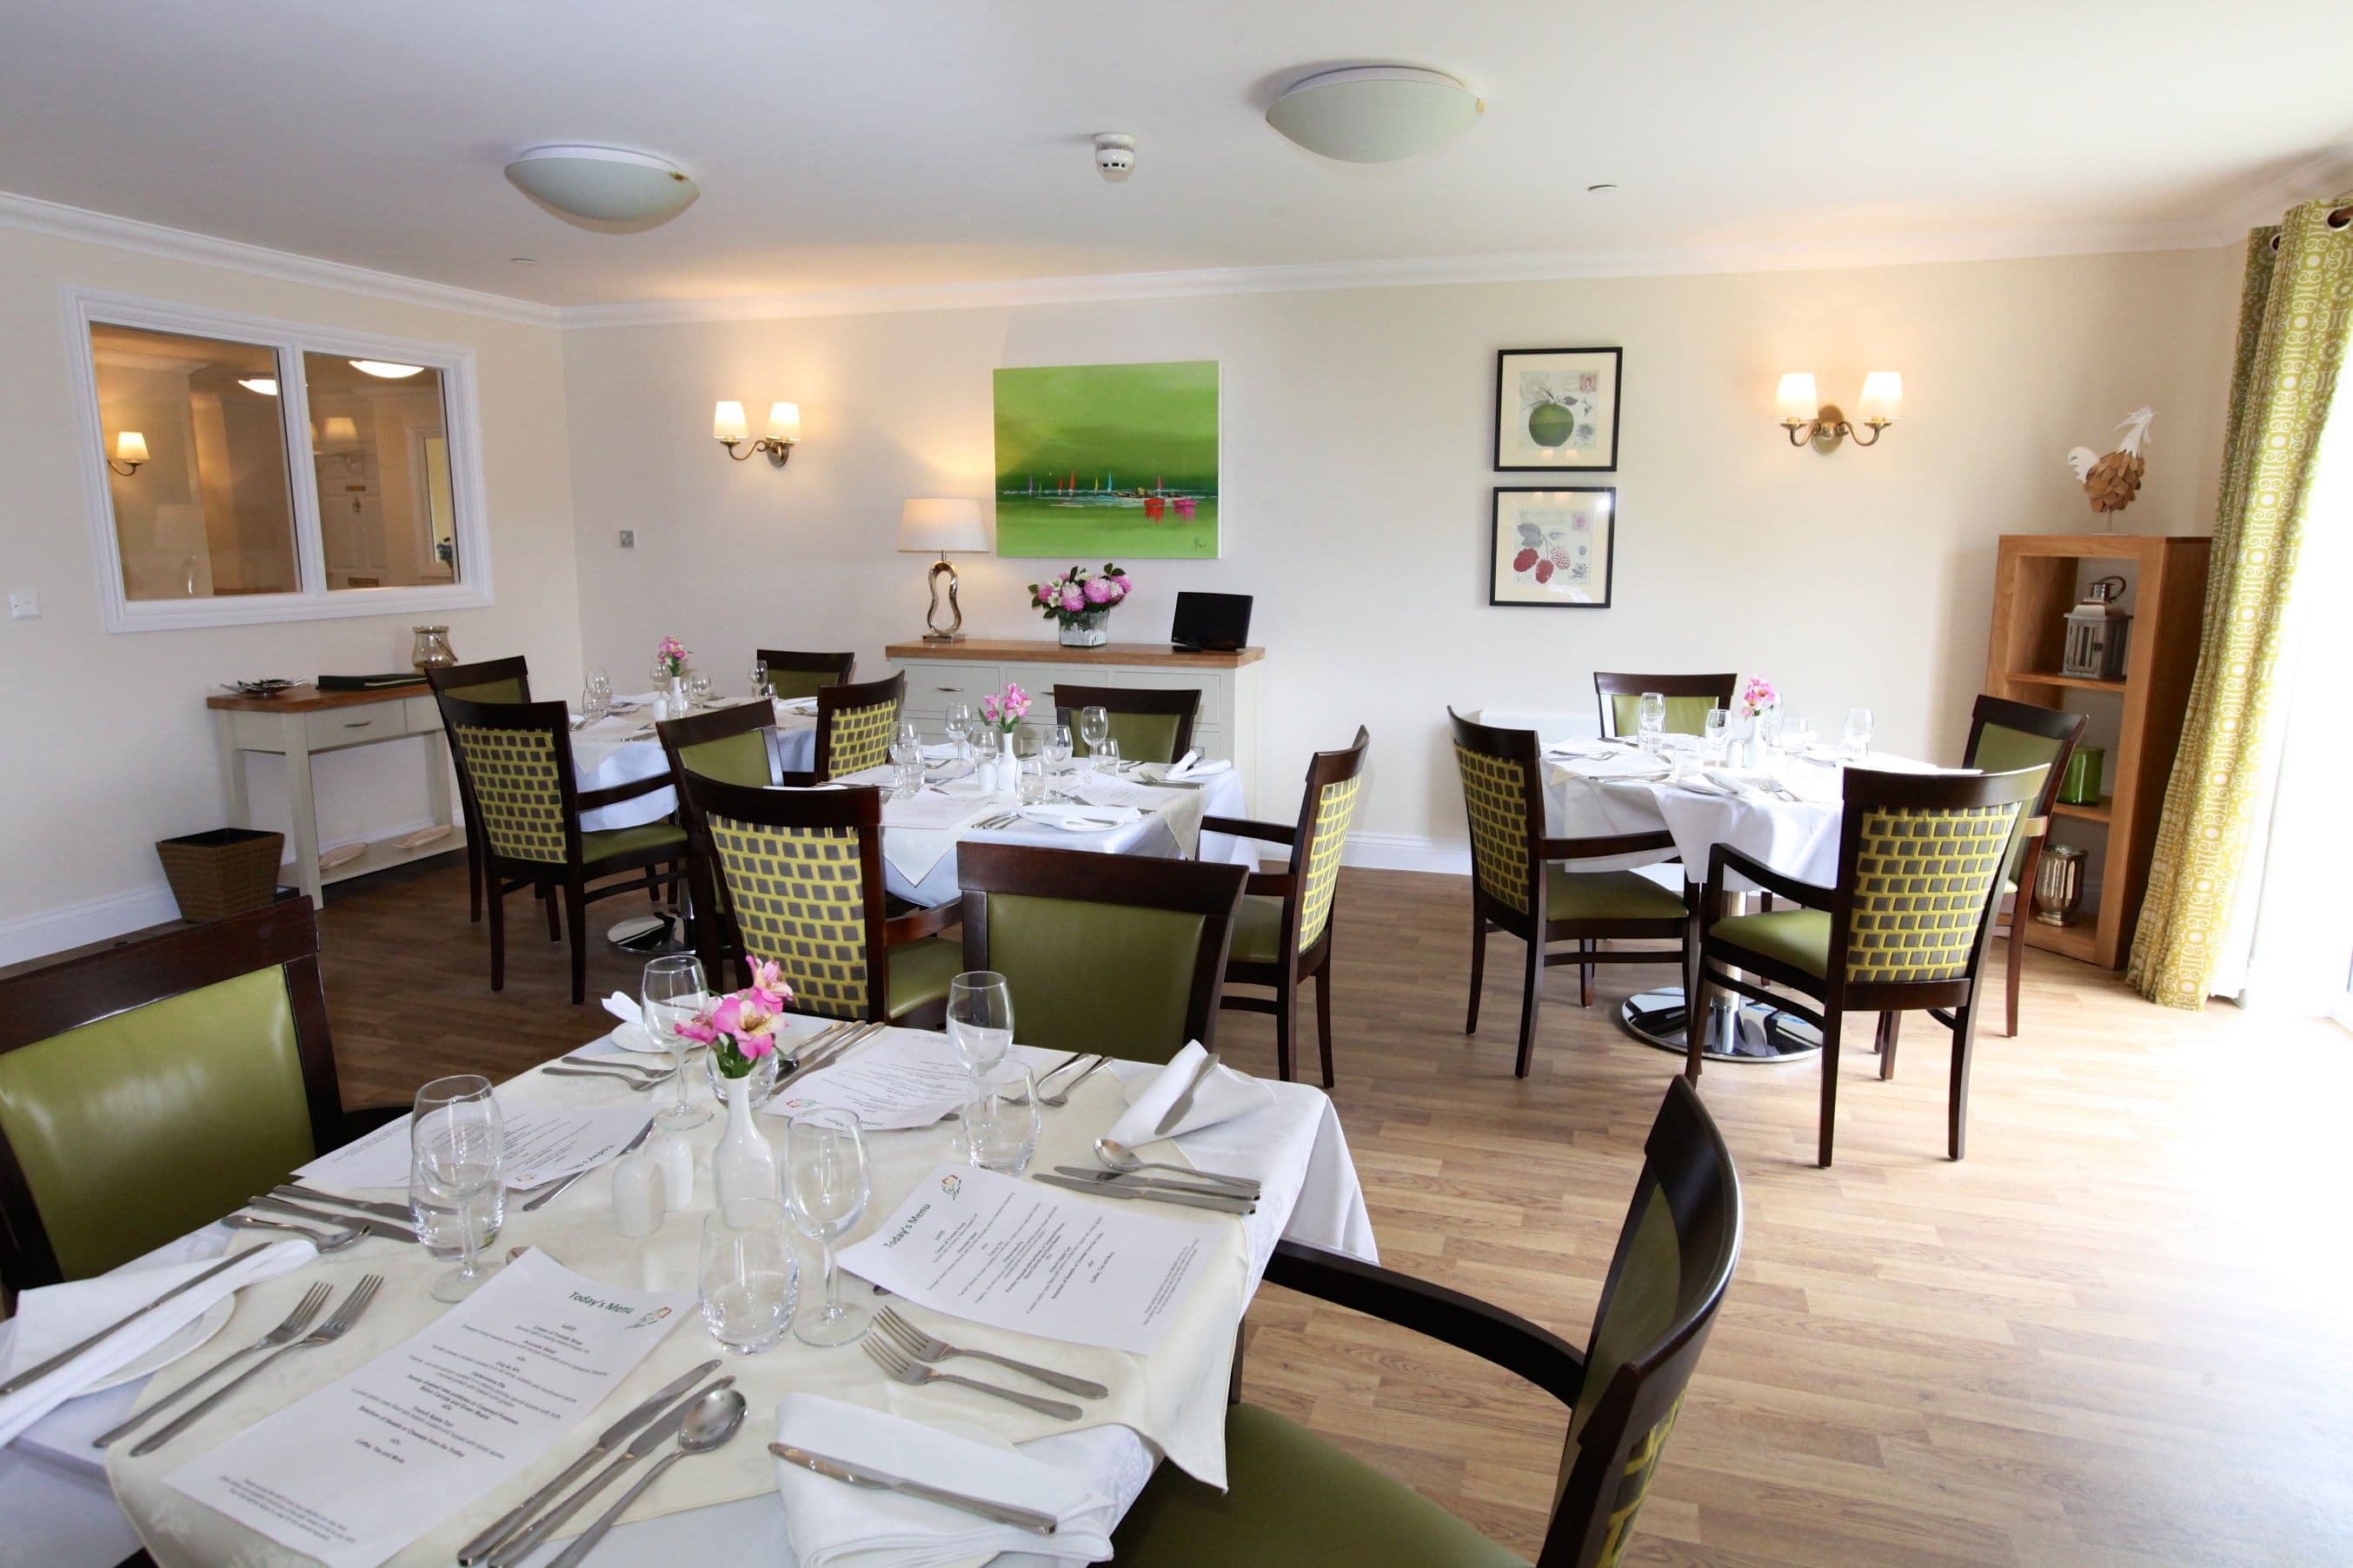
221	873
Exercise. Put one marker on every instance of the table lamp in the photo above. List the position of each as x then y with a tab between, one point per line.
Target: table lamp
941	525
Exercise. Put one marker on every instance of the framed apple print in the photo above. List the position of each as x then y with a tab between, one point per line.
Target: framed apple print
1556	408
1552	547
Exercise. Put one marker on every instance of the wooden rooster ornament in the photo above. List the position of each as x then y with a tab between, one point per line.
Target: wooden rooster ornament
2111	481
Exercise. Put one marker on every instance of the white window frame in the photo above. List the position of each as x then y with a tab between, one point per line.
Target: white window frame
291	340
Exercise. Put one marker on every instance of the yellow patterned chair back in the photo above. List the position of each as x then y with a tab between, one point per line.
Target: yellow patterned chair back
855	723
515	761
802	873
1503	795
1336	782
1921	875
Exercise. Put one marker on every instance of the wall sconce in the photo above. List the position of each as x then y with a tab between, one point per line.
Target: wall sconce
1823	425
130	451
783	434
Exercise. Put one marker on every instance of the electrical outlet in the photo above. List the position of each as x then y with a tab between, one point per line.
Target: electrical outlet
628	538
24	607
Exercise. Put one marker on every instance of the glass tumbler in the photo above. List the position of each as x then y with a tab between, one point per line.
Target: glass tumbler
1859	731
748	1279
1002	1120
1651	722
1716	735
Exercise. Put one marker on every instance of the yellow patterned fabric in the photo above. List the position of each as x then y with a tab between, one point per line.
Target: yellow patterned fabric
1921	882
799	898
516	791
860	738
1320	878
2295	318
1497	795
1634	1485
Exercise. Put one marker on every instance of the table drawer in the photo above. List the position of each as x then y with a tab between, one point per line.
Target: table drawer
1216	711
422	715
932	686
349	726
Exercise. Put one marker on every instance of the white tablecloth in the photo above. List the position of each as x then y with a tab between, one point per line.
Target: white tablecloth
613	752
1221	796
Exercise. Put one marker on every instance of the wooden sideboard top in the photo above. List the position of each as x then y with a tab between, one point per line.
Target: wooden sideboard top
308	698
1042	650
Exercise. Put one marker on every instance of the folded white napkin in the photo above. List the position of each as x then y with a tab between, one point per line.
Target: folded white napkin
1082	818
622	703
1619	764
56	1316
1223	1095
940	751
1191	765
624	1006
833	1524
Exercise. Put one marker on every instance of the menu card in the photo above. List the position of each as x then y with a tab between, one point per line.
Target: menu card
900	1078
541	1145
1012	1255
355	1472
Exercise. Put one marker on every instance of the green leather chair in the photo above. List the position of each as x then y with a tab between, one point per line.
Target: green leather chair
1118	953
856	724
485	680
150	1088
2005	736
1300	1501
1522	881
1151	724
731	745
1689	698
1921	858
793	674
799	875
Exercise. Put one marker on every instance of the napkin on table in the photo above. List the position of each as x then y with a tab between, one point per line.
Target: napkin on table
1223	1095
1620	765
1082	818
55	1316
1191	765
832	1524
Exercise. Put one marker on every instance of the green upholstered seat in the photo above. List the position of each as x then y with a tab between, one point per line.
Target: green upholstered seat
1686	715
156	1122
1801	938
1606	896
1297	1501
1258	931
920	973
741	758
793	684
507	691
2001	749
1095	977
1142	737
607	843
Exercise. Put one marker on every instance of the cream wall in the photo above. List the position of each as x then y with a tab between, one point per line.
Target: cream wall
1356	484
108	744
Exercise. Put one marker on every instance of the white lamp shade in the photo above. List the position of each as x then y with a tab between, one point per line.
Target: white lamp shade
942	525
785	422
605	188
727	423
130	447
341	429
387	370
1883	396
1375	114
1796	399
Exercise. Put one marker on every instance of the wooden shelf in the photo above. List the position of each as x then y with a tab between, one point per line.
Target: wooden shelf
2101	810
2080	940
2070	682
1047	650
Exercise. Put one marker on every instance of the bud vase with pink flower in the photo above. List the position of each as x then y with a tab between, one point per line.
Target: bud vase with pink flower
742	1031
1080	602
1001	713
1760	705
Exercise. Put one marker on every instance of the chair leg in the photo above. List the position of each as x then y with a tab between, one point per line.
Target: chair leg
1286	1007
1324	1016
1956	1107
1831	1018
576	906
1695	1005
2016	967
554	929
1891	1026
1531	993
473	882
497	900
1585	974
653	886
1478	968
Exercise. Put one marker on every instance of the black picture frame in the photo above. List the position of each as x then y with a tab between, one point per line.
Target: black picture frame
1516	451
1513	586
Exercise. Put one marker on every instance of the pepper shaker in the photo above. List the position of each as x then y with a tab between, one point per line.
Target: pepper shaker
637	1194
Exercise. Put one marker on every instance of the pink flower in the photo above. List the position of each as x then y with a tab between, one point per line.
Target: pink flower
1013	692
989	709
1118	588
1098	590
699	1027
1073	599
768	987
1045	593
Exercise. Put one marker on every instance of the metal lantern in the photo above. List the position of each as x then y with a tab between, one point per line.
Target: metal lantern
2096	630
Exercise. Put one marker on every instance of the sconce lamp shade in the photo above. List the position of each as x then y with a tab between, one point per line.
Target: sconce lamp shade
130	447
942	525
1795	400
785	422
341	429
1883	397
728	424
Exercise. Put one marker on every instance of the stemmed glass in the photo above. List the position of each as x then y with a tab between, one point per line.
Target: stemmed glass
1095	729
457	1147
1651	722
672	992
699	689
1058	757
826	1186
959	727
980	1019
596	696
1858	732
1716	735
760	686
906	762
748	1278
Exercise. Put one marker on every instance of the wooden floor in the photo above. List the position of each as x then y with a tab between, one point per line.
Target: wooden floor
2115	1334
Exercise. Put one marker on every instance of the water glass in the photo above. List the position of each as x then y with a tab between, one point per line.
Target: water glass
959	726
748	1278
456	1165
1094	727
1058	749
1002	1119
980	1019
672	992
1857	738
826	1187
760	686
906	767
1796	737
1106	757
1716	735
1029	779
1769	729
1651	722
699	689
764	1073
596	697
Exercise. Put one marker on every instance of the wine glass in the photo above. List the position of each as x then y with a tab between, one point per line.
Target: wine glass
1058	757
1095	728
980	1019
906	762
457	1158
672	992
596	696
699	689
1716	735
1651	722
826	1187
760	686
1857	734
959	726
1002	1120
748	1279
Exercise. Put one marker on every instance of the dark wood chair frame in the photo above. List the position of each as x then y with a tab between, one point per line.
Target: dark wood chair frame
41	1004
1293	966
547	879
1952	1003
832	700
1184	702
1538	929
2051	724
837	665
1210	889
855	806
1686	1162
448	677
1608	683
715	943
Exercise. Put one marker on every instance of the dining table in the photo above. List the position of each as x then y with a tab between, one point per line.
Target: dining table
75	1499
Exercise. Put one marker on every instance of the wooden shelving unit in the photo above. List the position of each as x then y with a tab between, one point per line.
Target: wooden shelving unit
2037	578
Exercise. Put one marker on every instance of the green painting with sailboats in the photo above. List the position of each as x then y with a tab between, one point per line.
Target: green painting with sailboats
1111	462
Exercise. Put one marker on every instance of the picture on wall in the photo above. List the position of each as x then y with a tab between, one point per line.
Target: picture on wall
1553	546
1108	462
1556	408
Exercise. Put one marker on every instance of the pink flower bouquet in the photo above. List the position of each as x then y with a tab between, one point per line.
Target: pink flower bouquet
1759	697
1079	592
1005	709
745	1024
670	656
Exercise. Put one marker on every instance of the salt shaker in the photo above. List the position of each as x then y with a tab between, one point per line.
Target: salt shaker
637	1194
669	1152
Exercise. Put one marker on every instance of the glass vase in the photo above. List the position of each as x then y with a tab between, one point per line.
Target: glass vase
1089	628
431	649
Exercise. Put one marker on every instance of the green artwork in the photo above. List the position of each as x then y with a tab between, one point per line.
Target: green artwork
1110	461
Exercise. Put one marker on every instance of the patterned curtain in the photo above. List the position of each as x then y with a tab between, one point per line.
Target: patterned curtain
2294	317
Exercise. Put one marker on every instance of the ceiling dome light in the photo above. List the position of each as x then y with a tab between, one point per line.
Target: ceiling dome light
386	368
265	384
604	188
1375	114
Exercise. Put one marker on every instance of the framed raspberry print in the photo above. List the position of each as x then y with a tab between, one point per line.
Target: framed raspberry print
1553	545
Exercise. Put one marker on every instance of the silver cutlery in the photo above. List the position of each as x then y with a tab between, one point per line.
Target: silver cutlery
1120	1157
325	1240
859	1476
931	1350
400	1214
32	1374
296	1322
906	1369
833	1053
710	1424
646	1442
1184	1100
515	1518
1073	1059
1234	1204
615	1064
334	1329
385	1228
1061	1096
547	1192
1119	1181
634	1085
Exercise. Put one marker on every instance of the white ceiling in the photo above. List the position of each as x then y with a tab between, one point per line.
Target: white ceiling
854	145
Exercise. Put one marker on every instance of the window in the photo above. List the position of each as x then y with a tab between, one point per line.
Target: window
250	470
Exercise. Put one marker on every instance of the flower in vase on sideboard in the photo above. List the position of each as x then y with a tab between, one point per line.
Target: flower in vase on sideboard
1080	602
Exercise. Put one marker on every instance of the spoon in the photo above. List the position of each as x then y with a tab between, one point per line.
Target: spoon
712	1421
1120	1157
325	1240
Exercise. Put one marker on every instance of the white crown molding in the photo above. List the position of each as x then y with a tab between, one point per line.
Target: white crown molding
62	221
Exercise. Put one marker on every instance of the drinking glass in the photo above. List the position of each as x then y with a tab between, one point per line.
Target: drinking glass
980	1019
959	727
672	992
748	1278
1858	732
1106	758
760	686
1796	737
906	764
1058	751
1769	729
1094	726
456	1145
596	697
1002	1119
699	689
1651	722
1716	735
826	1186
1029	783
908	735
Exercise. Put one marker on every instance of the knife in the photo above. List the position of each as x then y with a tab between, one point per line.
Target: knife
380	1227
1190	1200
859	1476
557	1190
400	1214
512	1520
832	1052
653	1438
34	1373
1184	1101
1207	1188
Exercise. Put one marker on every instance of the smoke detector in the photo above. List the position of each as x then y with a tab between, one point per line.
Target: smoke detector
1114	156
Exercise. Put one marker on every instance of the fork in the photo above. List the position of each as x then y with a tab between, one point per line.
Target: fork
325	1240
1061	1096
634	1085
905	1369
296	1322
614	1064
328	1332
930	1350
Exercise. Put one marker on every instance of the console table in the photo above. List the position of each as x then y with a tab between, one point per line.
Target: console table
939	673
302	720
